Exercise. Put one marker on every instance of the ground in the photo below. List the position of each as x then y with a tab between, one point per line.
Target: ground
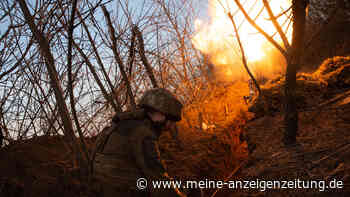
215	135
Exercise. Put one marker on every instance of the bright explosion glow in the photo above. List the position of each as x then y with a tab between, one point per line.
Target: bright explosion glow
216	37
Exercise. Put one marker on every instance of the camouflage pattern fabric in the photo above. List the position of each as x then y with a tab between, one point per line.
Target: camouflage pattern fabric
125	152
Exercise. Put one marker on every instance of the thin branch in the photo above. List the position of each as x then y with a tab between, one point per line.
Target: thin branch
244	60
143	56
257	27
117	56
50	64
117	106
132	51
282	13
71	80
277	26
179	35
94	74
18	62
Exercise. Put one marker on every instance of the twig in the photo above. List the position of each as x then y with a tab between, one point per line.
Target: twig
244	60
281	14
143	56
18	62
339	148
257	27
132	51
117	106
50	64
70	85
277	26
117	56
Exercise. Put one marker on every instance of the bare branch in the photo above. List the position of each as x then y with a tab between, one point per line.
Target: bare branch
117	106
243	54
50	64
94	74
71	81
17	63
282	13
277	26
257	27
143	56
117	56
131	58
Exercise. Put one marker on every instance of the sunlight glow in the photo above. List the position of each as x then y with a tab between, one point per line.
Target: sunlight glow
215	38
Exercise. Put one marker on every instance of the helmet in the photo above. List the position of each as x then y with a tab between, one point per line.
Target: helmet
162	100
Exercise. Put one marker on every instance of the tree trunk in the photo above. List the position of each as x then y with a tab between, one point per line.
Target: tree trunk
55	84
293	61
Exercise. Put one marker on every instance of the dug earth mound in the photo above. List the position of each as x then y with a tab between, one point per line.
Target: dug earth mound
323	149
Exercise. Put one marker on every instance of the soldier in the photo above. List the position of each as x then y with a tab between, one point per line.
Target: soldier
128	149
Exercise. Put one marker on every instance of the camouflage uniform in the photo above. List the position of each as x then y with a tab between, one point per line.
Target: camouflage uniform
128	150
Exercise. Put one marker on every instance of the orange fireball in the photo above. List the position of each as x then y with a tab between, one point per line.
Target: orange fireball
215	38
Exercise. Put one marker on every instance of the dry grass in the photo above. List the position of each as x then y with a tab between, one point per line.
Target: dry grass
332	77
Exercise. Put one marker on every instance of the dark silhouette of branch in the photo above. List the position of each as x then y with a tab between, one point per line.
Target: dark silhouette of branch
18	62
131	58
180	37
282	13
94	74
244	60
143	56
71	81
56	86
117	56
117	106
257	27
277	26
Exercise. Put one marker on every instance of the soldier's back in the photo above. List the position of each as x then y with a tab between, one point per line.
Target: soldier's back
114	165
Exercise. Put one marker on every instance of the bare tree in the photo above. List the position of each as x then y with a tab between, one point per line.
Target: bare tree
50	63
292	53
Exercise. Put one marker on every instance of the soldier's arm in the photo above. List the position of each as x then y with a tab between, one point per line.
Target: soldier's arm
152	156
146	153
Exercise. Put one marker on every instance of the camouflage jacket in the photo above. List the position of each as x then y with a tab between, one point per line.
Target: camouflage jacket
126	151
